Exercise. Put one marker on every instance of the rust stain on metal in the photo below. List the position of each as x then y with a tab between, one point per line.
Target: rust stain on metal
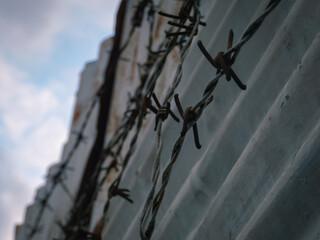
76	113
174	54
145	123
115	119
121	71
161	84
158	26
111	176
134	63
97	230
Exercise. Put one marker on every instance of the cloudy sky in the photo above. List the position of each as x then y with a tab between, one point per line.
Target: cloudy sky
43	47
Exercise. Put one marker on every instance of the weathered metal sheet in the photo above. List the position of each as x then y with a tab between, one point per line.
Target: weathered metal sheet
256	175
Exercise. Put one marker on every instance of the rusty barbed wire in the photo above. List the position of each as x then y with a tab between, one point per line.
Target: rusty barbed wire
153	203
187	26
183	16
137	19
176	81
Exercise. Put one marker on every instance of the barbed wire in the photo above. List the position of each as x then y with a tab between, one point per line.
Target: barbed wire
182	26
176	81
137	19
223	63
60	175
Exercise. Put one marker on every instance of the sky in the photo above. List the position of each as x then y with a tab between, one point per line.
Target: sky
44	45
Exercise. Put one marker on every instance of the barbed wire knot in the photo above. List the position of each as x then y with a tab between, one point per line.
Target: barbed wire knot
222	61
163	112
122	192
189	120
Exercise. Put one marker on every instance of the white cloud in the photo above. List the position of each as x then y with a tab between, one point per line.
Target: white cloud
22	105
29	26
102	12
42	146
32	119
13	197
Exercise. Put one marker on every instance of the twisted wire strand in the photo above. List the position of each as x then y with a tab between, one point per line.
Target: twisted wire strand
188	4
146	234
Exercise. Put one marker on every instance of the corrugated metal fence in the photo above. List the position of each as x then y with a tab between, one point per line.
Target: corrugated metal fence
256	175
